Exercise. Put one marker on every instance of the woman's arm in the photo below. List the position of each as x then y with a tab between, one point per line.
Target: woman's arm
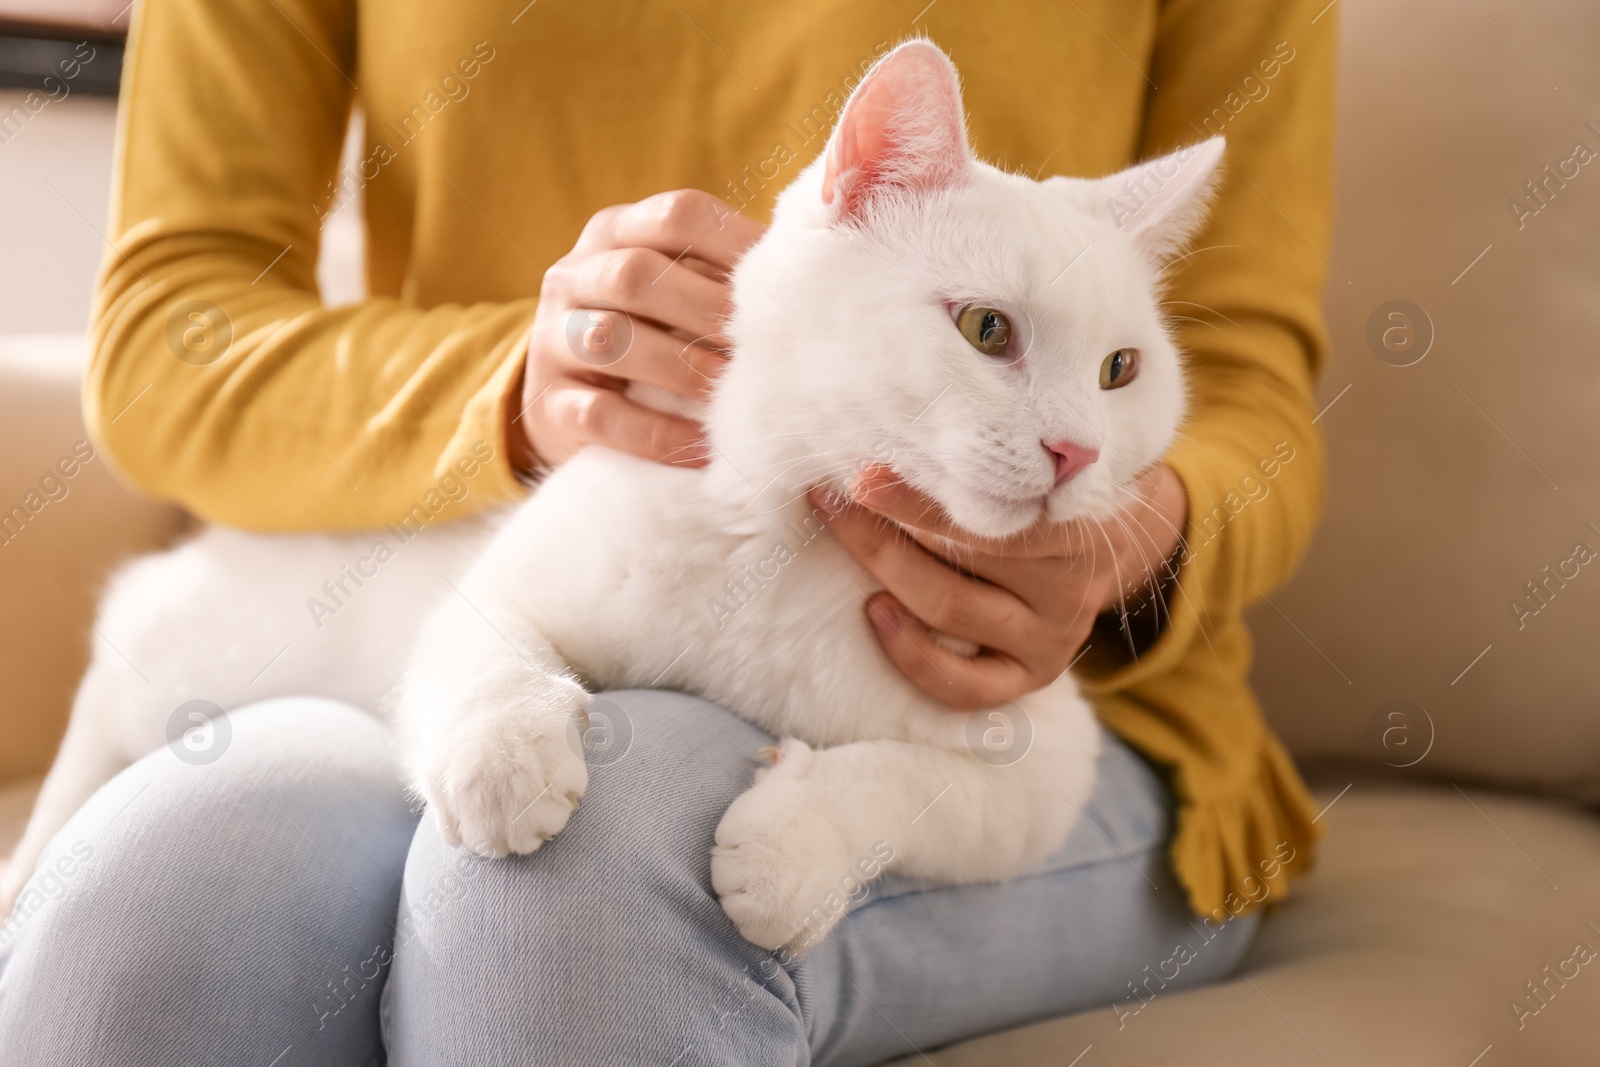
233	118
1247	301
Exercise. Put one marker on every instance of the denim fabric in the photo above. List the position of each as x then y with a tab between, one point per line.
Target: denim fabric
284	907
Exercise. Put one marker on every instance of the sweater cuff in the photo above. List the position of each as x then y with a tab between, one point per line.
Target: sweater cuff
485	421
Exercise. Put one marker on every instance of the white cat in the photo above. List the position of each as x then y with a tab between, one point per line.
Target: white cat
908	305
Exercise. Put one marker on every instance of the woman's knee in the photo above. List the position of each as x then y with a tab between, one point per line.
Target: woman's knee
615	912
664	770
185	888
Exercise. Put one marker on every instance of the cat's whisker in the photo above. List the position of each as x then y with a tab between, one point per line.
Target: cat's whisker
1175	260
1191	596
1122	600
1151	578
1214	311
1138	498
1159	584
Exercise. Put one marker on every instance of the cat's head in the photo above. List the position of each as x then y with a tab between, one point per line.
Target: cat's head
997	341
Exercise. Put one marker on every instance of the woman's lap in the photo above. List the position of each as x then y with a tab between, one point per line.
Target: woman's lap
219	904
246	909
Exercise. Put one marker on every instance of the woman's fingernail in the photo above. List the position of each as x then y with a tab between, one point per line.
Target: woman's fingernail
882	611
873	482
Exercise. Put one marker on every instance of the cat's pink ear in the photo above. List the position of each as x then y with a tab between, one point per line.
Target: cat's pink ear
902	129
1162	203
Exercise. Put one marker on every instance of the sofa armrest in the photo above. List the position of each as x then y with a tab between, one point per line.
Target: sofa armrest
65	521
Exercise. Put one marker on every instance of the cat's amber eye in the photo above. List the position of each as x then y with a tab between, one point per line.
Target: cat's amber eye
1119	368
986	329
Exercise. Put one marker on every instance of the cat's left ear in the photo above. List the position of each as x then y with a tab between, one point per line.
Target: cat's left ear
901	131
1162	203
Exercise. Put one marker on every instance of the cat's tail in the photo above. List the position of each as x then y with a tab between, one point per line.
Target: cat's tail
90	756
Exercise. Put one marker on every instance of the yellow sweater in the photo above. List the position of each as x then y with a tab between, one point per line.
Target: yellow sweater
494	130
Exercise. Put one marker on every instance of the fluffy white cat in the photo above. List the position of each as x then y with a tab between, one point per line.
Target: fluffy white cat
908	305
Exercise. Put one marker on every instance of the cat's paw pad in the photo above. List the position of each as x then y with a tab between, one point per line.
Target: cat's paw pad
507	779
778	864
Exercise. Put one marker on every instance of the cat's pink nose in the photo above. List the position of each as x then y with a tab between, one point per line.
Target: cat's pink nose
1070	458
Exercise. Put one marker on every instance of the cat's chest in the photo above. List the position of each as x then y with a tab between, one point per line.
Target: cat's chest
763	616
649	582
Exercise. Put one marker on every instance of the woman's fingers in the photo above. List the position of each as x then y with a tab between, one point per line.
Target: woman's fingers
652	356
963	682
642	296
578	413
880	489
1027	626
659	358
683	222
1005	562
938	597
651	285
931	589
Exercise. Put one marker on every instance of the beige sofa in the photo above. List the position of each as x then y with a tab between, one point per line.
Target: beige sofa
1461	871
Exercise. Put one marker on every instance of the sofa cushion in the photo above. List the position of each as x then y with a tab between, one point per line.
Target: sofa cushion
1461	478
1410	945
64	522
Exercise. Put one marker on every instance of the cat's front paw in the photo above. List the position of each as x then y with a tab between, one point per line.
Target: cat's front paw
506	779
779	865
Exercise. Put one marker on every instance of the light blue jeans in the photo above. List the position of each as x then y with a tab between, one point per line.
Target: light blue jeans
284	906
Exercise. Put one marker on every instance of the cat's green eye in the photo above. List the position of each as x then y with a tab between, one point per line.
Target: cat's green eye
986	329
1119	368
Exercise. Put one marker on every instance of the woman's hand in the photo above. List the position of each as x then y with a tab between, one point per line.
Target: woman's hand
641	297
1027	601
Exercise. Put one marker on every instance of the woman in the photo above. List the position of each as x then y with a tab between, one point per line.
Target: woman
285	905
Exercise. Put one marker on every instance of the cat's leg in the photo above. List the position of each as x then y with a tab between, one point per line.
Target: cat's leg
819	823
491	722
91	755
